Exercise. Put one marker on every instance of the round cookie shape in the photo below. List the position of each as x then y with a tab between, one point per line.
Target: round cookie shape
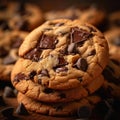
113	38
92	14
59	109
9	44
41	93
63	53
21	16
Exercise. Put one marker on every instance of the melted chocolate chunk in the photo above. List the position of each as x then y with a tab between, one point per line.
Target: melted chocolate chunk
43	72
116	41
62	61
84	112
32	74
61	69
71	48
80	79
79	35
8	92
62	95
9	60
3	51
17	41
81	64
48	90
20	76
59	24
33	55
47	42
21	110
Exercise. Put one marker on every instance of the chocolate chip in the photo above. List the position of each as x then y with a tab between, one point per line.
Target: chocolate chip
80	79
71	48
62	61
21	110
61	69
116	41
8	92
9	60
17	41
33	55
62	95
81	64
93	52
78	35
20	76
43	72
2	103
84	112
8	112
32	74
3	51
48	90
47	42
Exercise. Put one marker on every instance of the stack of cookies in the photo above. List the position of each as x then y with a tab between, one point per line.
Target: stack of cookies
16	20
60	66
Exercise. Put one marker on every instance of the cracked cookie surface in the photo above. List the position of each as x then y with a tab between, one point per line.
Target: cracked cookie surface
62	54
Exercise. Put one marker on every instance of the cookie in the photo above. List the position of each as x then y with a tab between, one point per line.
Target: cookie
114	19
22	16
113	37
61	109
62	54
92	15
9	44
111	86
44	94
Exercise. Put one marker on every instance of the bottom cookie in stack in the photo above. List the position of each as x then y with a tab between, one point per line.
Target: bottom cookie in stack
60	109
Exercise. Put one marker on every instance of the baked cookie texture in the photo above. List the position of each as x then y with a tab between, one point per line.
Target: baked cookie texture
92	14
9	44
61	54
113	38
21	15
64	109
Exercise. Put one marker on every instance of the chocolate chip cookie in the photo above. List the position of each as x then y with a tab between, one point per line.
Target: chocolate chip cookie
44	94
61	54
59	109
9	44
21	16
92	14
113	37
